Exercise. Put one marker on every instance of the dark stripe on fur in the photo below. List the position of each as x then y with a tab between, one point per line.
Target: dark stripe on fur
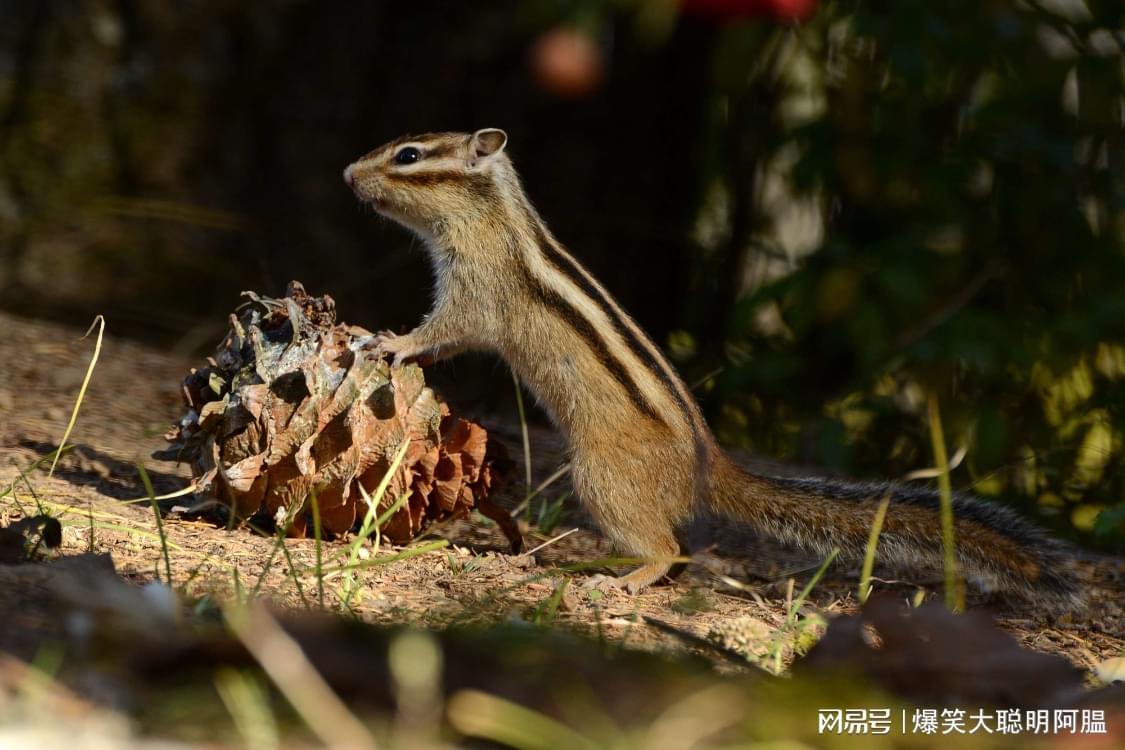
586	330
565	265
424	177
570	268
479	184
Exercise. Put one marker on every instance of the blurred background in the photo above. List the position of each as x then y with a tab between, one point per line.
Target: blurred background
825	211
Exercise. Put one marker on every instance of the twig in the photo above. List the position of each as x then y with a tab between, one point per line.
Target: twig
551	541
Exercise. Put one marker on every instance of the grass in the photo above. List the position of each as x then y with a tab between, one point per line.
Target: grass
279	545
523	433
550	513
872	544
794	628
954	592
318	541
372	520
34	494
302	685
54	455
702	718
545	613
99	321
159	524
247	702
10	489
797	603
526	502
505	723
405	554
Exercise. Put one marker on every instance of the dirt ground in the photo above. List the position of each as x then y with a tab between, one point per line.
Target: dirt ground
134	395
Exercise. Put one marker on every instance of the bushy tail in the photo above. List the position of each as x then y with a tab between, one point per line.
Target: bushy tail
997	550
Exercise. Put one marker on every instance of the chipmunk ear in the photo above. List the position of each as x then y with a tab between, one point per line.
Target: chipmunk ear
486	143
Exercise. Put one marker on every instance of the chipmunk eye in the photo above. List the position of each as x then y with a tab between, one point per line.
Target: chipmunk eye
407	155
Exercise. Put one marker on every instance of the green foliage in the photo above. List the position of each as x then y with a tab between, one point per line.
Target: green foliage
965	160
550	513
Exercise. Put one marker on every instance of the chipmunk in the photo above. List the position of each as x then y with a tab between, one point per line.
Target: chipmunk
643	460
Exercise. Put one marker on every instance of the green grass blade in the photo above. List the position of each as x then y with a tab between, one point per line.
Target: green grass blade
524	433
278	544
796	605
293	574
954	595
509	724
872	544
409	552
319	547
247	701
159	523
99	321
239	594
371	523
526	502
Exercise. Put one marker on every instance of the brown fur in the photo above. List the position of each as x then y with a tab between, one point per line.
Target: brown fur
643	460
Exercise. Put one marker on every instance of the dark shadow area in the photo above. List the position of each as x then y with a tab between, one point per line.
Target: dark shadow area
84	466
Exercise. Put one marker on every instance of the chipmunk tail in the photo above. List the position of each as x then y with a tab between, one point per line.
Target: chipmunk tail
997	550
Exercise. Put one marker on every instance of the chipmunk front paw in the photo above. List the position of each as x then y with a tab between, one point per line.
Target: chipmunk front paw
399	347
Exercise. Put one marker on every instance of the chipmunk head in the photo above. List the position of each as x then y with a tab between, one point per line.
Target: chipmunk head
430	183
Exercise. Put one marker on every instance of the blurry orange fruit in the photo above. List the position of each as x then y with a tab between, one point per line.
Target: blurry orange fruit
566	62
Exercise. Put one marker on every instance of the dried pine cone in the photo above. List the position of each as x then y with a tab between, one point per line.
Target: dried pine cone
292	404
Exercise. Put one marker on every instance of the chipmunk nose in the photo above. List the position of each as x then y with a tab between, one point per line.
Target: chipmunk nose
349	175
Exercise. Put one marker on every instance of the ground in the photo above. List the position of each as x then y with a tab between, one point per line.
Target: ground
461	575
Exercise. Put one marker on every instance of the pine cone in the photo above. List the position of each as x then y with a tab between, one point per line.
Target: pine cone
292	405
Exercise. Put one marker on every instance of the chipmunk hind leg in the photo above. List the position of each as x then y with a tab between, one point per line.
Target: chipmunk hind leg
637	511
